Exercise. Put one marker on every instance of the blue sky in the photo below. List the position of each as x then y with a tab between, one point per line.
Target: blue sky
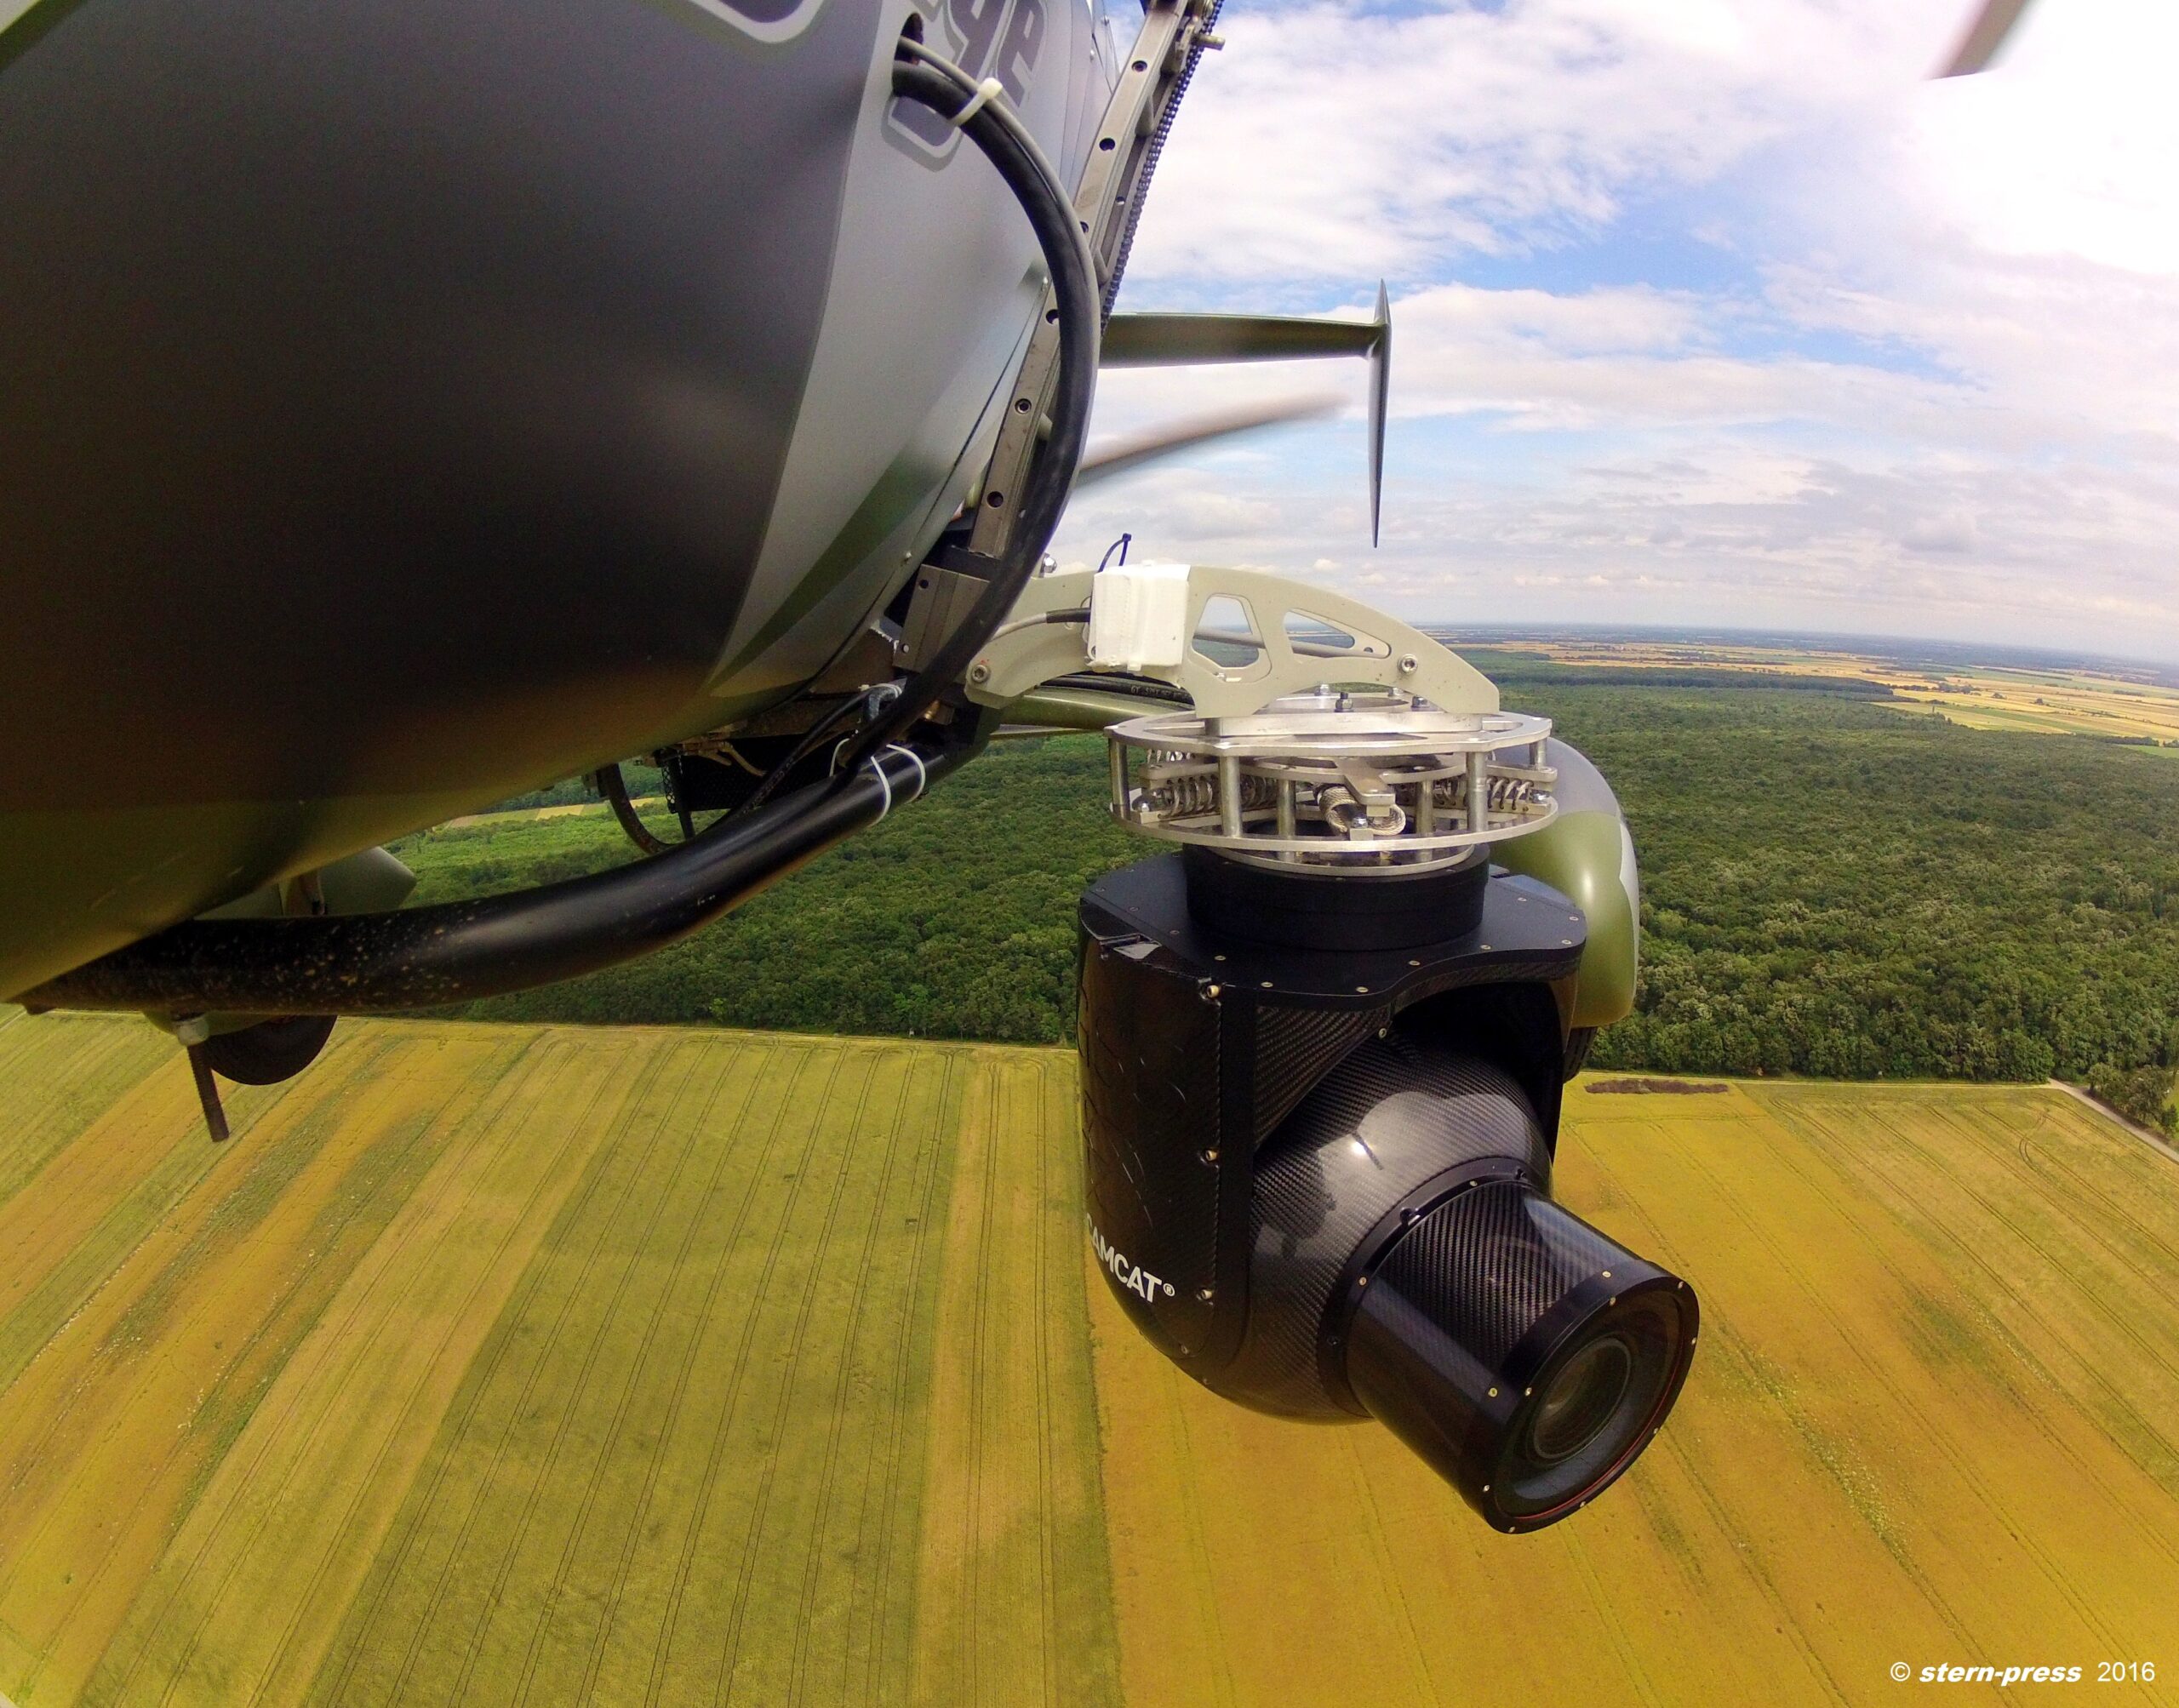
1705	312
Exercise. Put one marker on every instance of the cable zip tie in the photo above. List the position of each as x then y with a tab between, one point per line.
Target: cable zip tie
989	90
922	777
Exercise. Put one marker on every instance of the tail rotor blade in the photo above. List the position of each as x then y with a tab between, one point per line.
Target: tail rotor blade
1381	373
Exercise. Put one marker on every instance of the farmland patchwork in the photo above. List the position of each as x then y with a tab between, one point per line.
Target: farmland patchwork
500	1364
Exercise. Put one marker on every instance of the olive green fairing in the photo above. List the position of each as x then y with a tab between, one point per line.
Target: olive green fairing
1580	855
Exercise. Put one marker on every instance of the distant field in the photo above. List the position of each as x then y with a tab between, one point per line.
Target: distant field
491	1364
1981	697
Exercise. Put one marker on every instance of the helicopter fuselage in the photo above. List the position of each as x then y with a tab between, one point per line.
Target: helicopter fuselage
406	405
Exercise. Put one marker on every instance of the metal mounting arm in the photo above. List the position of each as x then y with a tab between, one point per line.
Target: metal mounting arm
1295	636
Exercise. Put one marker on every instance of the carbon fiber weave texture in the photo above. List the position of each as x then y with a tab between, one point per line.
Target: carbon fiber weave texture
1485	1265
1396	1111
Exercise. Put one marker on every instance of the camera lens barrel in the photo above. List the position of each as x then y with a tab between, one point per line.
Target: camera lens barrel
1528	1357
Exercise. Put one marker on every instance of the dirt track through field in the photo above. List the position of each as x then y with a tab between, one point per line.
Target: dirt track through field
495	1364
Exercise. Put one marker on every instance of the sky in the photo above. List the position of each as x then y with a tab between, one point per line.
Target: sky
1706	312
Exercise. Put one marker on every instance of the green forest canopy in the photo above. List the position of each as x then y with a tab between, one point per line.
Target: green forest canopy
1830	887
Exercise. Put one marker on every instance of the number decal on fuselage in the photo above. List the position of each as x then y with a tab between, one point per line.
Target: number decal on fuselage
999	38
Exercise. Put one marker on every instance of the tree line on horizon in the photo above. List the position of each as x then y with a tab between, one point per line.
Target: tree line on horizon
1832	888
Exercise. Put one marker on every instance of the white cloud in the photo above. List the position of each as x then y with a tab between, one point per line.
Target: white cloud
1327	141
1934	388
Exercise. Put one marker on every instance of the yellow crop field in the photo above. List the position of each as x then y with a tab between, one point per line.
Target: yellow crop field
494	1365
1934	1419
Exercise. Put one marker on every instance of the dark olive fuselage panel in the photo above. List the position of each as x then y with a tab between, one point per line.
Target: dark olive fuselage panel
399	406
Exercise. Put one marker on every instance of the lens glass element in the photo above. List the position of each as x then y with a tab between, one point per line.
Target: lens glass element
1580	1400
1595	1401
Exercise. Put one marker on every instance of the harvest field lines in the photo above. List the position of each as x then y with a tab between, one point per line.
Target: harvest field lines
1013	1388
1980	696
559	1366
495	1364
1914	1431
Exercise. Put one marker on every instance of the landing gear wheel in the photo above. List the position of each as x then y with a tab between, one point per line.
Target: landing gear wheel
270	1051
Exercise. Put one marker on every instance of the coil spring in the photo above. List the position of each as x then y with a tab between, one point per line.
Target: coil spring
1500	794
1183	796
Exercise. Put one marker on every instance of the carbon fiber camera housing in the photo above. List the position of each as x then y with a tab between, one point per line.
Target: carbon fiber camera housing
1318	1178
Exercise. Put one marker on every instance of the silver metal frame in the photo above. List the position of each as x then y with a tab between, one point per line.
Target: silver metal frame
1347	780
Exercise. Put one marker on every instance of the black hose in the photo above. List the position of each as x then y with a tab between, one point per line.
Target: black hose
998	131
1006	143
614	788
459	951
1133	687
